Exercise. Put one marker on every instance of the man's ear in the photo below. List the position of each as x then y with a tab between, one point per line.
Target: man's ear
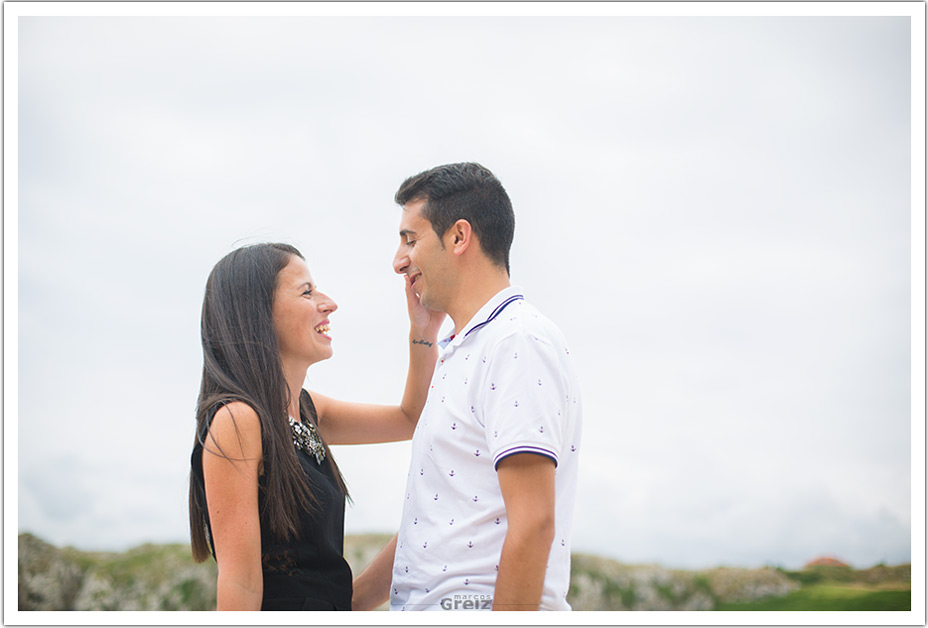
459	237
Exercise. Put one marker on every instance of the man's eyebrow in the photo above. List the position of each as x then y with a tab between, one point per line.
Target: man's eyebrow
406	232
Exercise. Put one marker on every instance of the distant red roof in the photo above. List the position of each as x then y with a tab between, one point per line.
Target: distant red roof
826	561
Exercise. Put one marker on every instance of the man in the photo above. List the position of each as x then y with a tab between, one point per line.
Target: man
489	497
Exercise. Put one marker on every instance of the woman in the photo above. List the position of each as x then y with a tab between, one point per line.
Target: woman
266	497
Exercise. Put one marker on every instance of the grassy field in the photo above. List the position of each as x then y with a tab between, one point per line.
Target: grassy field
831	597
879	588
164	577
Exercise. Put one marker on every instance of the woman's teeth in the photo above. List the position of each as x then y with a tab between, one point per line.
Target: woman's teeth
322	329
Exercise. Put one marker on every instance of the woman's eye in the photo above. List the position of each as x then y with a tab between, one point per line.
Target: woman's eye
308	293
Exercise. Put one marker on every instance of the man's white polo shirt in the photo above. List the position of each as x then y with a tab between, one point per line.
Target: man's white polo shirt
503	385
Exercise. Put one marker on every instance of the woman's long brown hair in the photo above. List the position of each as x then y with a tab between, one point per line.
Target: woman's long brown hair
241	362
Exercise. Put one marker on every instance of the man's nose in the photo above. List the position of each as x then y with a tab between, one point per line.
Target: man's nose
400	261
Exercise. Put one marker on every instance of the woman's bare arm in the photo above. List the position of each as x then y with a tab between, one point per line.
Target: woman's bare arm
347	423
231	460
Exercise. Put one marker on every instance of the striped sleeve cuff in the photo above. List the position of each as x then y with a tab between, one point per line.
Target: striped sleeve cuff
524	449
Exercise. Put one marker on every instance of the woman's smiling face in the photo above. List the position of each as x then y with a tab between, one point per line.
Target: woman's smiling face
301	316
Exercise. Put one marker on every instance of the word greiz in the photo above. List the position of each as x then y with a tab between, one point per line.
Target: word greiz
467	602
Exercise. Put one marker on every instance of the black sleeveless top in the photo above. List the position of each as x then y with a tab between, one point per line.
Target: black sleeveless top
309	572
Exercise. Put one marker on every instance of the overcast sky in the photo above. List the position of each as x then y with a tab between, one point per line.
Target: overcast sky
716	211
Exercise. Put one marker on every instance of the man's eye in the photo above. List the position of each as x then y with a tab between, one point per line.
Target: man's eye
410	242
308	293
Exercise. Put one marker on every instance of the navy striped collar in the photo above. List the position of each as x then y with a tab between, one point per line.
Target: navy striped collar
487	313
496	312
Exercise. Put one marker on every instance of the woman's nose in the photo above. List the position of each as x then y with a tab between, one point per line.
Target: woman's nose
326	304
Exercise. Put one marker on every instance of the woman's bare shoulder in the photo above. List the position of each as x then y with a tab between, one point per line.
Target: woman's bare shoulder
237	424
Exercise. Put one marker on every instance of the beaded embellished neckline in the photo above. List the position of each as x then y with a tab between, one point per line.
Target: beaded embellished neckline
306	437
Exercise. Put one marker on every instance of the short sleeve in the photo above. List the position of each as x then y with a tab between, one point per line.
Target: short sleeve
525	398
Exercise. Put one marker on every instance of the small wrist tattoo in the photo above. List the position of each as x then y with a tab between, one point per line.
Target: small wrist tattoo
422	342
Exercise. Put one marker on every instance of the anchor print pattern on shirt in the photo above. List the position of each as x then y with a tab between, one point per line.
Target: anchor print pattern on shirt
473	422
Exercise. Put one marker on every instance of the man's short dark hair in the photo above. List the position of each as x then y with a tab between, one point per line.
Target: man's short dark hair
465	191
